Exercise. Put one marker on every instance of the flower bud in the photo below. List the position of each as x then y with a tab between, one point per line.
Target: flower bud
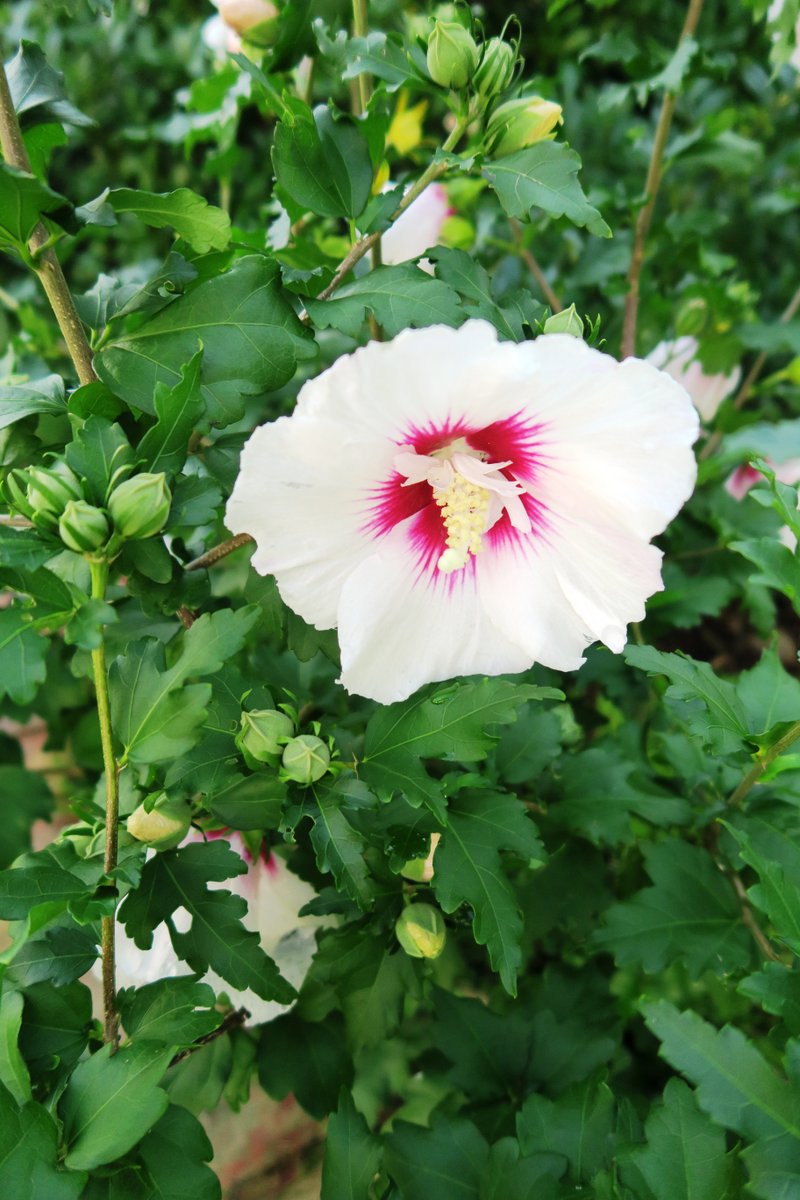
496	71
521	123
83	527
421	931
139	507
692	317
51	488
566	321
420	870
164	826
15	493
452	55
260	733
306	758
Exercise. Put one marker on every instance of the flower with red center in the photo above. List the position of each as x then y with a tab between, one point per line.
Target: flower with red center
456	505
679	359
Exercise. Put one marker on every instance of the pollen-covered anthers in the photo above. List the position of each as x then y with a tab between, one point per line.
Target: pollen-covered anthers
465	508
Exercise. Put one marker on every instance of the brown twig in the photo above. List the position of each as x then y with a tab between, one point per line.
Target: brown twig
536	271
217	552
652	184
232	1021
748	919
45	261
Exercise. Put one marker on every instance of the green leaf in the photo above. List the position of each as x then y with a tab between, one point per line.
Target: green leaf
101	455
26	798
154	712
42	882
28	1155
776	988
13	1071
100	1089
735	1084
473	283
778	566
490	1053
322	161
164	446
307	1059
577	1126
204	226
777	893
252	341
544	176
446	1161
352	1154
398	297
248	802
55	1027
217	940
686	1156
709	705
37	90
60	954
23	200
380	54
175	1012
449	723
23	548
338	846
18	400
507	1176
690	915
468	871
174	1154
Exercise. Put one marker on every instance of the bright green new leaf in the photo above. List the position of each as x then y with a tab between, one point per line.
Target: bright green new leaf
28	1155
164	446
398	297
544	176
18	400
467	870
252	341
322	161
101	455
100	1089
352	1154
686	1157
204	226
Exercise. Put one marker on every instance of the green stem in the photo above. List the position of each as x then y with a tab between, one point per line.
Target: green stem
45	261
763	761
360	29
99	571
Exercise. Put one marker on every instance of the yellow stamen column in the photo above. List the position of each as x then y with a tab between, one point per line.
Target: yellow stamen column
464	508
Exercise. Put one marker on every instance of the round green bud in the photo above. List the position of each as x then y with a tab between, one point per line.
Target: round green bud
521	123
420	930
51	488
692	317
164	826
566	321
262	735
452	55
496	69
83	527
139	507
306	758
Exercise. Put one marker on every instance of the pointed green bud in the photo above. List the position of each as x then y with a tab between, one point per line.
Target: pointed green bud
139	507
452	55
421	931
496	71
164	826
566	321
306	758
262	736
15	491
521	123
692	317
51	488
83	527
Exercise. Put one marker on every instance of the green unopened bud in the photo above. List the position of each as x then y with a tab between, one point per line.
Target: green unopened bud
692	317
262	736
15	490
420	870
164	826
452	55
496	71
139	507
306	758
521	123
83	527
421	931
51	488
566	321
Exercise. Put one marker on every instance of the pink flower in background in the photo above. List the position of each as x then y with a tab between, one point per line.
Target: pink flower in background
745	477
274	898
679	359
460	506
418	229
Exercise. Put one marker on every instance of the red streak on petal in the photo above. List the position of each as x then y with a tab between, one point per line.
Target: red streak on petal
516	439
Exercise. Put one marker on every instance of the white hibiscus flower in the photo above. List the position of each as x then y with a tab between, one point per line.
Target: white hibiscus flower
679	359
460	506
274	898
418	228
